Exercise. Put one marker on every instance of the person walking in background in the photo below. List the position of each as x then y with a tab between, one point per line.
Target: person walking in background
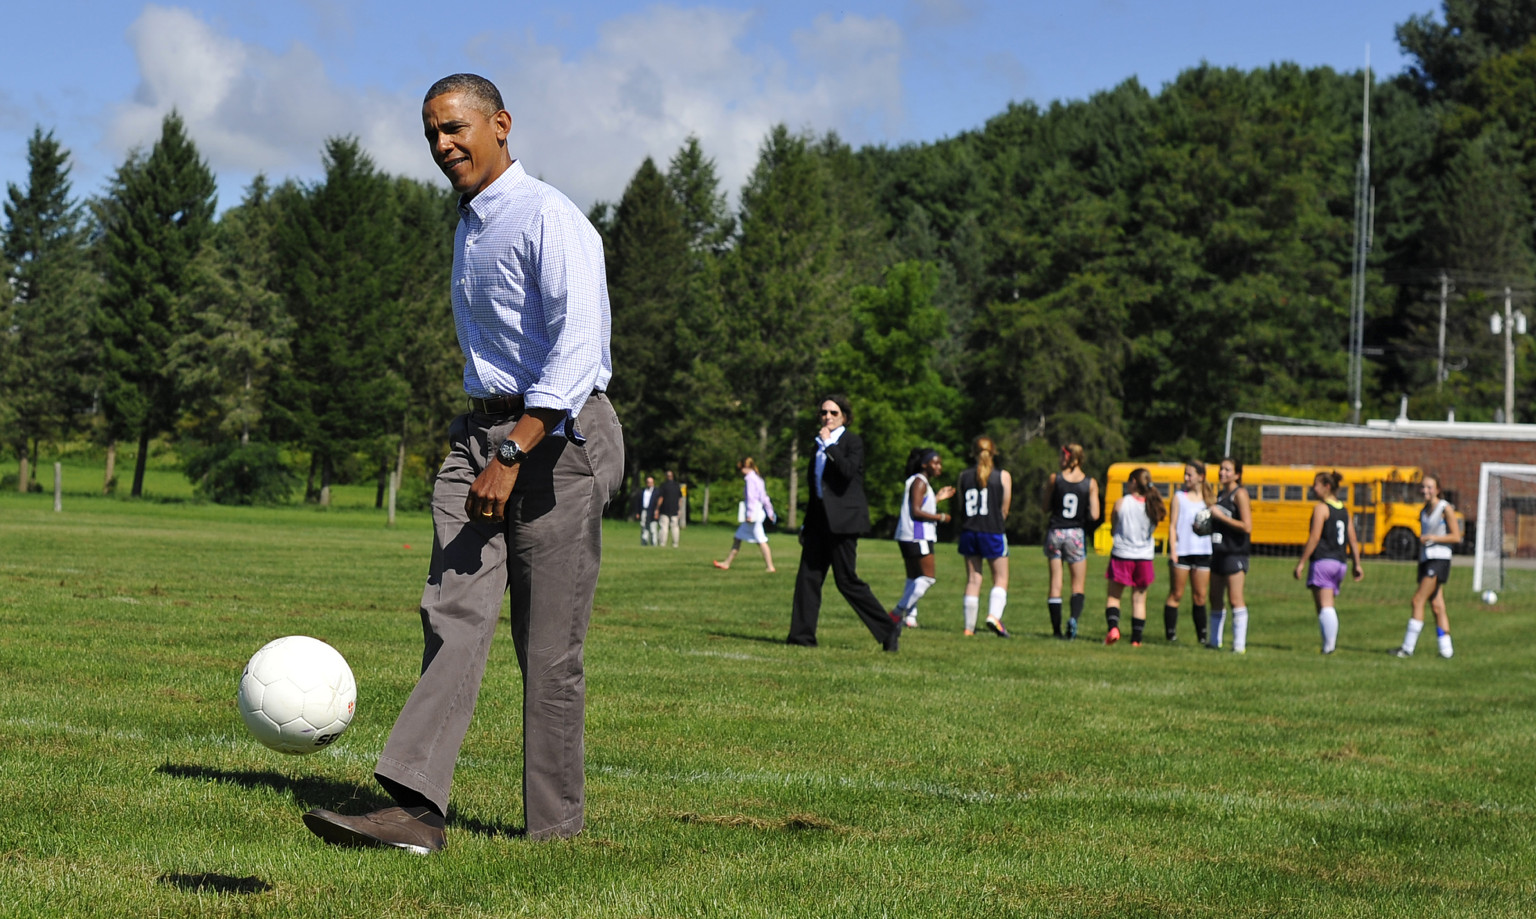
756	508
836	515
1439	530
1330	535
984	493
1189	553
1135	516
644	508
1071	499
669	506
518	502
917	530
1231	525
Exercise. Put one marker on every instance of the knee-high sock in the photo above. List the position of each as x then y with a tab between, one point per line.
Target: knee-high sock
1218	618
1328	624
1240	629
916	587
1198	614
1077	606
1170	621
1411	637
996	600
1054	605
972	604
1111	617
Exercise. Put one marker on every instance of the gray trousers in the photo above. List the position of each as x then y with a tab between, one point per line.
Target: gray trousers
546	555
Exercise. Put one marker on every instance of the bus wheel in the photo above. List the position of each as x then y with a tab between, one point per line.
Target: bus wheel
1400	543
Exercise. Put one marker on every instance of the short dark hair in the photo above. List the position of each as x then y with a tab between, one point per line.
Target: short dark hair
842	406
473	85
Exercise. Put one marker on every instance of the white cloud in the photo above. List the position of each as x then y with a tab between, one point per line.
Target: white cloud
582	121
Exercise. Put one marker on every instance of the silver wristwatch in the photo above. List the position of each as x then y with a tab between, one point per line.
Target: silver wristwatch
509	453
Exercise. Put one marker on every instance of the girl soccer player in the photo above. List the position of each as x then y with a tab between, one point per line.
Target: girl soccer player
916	529
1130	562
985	493
1231	525
1331	535
1439	530
1071	499
1189	554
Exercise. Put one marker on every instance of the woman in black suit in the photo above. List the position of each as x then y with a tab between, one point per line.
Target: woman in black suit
837	515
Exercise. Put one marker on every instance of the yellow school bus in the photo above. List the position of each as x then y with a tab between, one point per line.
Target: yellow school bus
1384	500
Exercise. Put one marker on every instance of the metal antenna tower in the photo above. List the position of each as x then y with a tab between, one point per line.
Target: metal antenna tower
1365	206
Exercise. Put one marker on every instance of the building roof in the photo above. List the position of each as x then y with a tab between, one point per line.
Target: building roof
1383	429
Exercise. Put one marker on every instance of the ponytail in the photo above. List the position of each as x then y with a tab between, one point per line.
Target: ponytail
1141	481
983	448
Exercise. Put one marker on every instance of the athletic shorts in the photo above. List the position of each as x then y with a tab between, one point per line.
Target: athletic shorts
1326	572
1228	565
1132	572
1066	544
1194	562
976	544
1437	568
916	549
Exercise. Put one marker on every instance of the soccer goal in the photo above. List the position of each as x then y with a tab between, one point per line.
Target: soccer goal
1506	527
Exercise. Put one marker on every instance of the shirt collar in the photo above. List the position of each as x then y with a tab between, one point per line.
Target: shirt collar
837	434
495	194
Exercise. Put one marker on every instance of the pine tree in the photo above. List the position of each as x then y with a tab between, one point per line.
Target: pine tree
47	345
156	221
648	264
706	217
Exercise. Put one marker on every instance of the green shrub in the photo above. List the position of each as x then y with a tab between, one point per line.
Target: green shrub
228	473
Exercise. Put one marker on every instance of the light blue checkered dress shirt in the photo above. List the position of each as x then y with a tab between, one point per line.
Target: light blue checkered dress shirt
530	295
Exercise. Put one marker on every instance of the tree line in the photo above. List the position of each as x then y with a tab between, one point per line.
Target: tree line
1123	272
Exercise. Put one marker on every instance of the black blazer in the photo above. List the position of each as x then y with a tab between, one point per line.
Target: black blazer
842	484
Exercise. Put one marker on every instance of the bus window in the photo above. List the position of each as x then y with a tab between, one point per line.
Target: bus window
1295	493
1164	488
1269	493
1253	492
1343	494
1400	492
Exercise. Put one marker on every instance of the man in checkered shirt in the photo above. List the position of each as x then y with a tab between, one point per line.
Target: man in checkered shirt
518	503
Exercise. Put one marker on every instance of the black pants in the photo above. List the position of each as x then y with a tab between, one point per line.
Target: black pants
822	549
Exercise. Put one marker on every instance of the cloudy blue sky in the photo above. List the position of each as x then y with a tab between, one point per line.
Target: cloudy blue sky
596	85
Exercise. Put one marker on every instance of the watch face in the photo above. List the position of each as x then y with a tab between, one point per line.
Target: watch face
509	453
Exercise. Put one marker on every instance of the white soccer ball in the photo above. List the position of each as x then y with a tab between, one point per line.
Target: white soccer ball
297	694
1490	598
1201	523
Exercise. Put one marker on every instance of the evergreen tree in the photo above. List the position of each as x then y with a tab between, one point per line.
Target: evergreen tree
46	346
648	265
160	213
1445	55
707	219
342	267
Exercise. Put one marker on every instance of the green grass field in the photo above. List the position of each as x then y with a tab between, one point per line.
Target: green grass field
731	775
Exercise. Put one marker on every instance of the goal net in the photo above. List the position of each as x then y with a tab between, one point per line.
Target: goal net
1506	527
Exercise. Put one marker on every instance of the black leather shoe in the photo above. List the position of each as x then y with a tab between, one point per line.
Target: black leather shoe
418	830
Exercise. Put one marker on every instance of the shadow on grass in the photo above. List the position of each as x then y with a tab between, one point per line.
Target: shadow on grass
217	883
309	791
741	636
312	791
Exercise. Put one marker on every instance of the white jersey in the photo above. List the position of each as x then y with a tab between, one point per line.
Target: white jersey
909	530
1432	523
1133	530
1184	536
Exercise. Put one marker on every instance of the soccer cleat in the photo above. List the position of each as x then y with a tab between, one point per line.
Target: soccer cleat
718	564
970	632
1399	652
912	621
1239	650
1135	644
995	626
1071	628
1113	636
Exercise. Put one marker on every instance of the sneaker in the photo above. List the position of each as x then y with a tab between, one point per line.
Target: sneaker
1445	647
1239	650
995	626
911	622
415	829
1399	652
1071	629
1113	636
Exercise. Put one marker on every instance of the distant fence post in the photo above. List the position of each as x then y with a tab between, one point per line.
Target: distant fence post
394	488
58	487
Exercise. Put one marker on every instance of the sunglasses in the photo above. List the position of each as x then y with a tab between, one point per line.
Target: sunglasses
834	411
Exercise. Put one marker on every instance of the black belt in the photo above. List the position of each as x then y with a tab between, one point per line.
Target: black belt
502	405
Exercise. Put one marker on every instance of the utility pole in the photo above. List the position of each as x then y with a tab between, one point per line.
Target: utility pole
1364	206
1509	323
1445	291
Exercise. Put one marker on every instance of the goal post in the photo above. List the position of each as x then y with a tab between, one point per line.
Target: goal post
1506	521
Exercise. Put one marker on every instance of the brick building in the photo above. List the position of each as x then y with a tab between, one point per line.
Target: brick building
1452	449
